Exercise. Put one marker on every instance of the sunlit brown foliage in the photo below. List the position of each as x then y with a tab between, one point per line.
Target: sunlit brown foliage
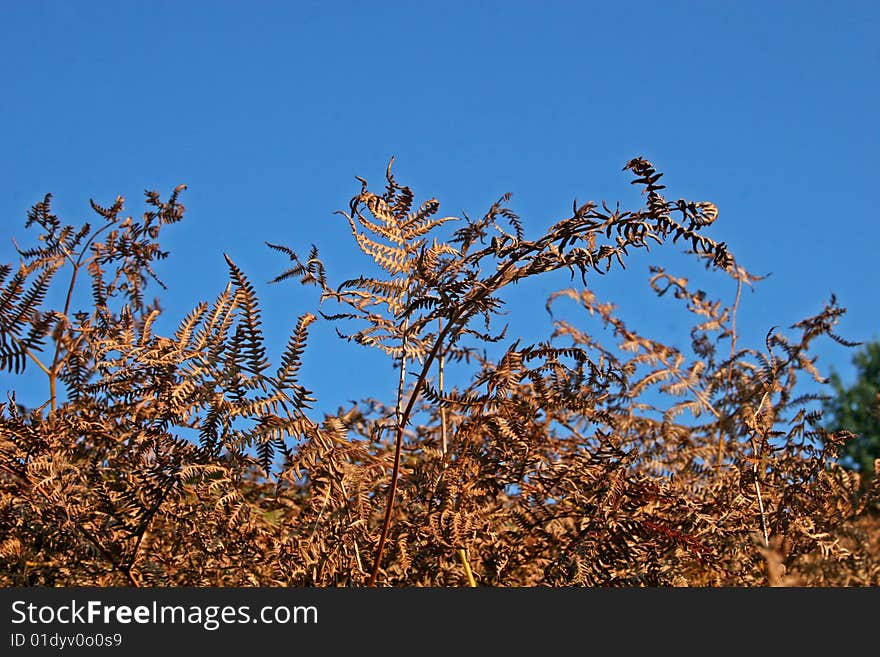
597	457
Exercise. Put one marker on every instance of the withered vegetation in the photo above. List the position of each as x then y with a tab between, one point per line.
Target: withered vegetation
190	460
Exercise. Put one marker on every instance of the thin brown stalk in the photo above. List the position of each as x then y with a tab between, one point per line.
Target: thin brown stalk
722	438
56	359
756	473
398	446
440	361
462	556
497	281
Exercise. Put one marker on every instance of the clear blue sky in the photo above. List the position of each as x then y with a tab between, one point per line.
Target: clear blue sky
268	110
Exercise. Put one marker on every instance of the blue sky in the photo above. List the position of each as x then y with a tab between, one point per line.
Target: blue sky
267	111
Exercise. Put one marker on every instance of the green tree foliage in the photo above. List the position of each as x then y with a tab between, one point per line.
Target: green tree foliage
857	408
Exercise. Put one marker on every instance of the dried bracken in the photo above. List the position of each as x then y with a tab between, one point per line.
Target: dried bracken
597	457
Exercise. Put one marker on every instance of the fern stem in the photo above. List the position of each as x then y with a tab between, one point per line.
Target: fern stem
395	470
440	362
722	439
401	382
462	556
37	361
501	278
357	555
145	528
400	418
53	373
756	474
763	514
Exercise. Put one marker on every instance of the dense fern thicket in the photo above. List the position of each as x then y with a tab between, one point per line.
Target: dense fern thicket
571	461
